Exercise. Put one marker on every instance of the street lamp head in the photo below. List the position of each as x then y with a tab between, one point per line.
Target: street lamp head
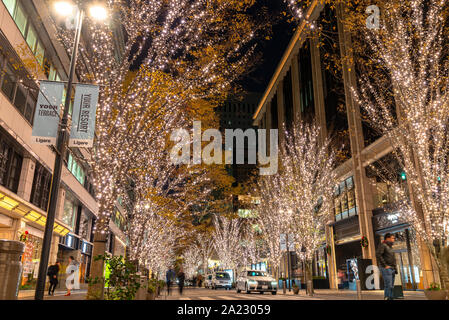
63	8
98	12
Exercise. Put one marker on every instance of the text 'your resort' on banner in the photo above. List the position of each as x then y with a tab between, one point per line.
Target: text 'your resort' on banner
47	114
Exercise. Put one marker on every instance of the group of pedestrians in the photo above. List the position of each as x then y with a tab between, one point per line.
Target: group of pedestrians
170	278
53	271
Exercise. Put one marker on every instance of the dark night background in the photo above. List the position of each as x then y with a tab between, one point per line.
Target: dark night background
270	51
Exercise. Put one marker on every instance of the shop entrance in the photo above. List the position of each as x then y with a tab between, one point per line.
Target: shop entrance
405	270
407	257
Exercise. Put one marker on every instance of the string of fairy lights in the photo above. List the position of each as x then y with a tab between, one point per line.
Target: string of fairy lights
297	201
174	52
167	40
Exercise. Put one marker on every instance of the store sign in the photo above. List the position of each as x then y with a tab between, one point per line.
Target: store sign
46	116
83	116
383	221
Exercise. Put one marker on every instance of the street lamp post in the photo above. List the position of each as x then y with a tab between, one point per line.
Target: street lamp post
56	180
289	270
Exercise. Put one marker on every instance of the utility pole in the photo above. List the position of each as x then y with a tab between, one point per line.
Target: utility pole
56	179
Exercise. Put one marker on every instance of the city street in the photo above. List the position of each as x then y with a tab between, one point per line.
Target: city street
208	294
252	145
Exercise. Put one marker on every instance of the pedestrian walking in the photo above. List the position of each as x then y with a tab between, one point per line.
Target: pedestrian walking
73	272
195	279
52	274
181	278
387	263
200	280
169	277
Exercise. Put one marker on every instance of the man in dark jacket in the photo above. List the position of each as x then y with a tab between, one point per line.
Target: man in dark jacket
181	278
387	263
169	277
52	273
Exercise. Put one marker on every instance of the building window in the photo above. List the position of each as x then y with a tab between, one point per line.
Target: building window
21	18
119	220
70	211
344	200
76	169
10	166
21	96
40	191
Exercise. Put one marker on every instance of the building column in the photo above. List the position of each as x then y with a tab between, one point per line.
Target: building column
331	262
297	115
281	111
26	178
318	90
363	199
268	126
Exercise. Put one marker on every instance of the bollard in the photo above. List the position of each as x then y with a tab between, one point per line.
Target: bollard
310	287
141	293
284	286
359	289
10	268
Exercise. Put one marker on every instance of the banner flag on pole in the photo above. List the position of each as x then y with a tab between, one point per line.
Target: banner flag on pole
46	115
84	116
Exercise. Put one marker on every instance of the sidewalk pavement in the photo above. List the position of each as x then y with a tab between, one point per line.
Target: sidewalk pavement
320	294
332	294
58	295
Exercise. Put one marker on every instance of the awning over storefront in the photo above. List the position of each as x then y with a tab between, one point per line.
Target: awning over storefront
20	207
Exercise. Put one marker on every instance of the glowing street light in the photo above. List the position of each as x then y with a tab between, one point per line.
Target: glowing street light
66	9
63	8
98	12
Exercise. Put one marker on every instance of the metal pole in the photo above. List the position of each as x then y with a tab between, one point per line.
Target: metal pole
359	290
56	180
289	266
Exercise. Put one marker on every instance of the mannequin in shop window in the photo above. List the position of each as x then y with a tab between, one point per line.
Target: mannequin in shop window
73	272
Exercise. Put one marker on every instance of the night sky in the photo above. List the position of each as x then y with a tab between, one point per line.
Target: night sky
270	51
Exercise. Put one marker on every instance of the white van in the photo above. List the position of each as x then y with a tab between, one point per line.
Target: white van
221	279
208	281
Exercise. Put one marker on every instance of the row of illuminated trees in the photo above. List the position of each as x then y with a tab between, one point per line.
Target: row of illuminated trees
180	59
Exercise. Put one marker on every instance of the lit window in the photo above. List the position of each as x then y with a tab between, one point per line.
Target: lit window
10	5
20	19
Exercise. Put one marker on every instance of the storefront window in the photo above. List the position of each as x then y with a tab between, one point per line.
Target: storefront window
30	262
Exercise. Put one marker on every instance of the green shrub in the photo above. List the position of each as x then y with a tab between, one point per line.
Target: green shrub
123	281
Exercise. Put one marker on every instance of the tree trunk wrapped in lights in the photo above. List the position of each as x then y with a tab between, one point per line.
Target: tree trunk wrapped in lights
411	49
191	261
227	241
272	219
300	195
205	246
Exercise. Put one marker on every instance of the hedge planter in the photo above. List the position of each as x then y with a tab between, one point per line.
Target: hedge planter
151	295
435	294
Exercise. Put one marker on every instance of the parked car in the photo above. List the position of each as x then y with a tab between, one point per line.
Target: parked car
208	281
221	280
256	280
